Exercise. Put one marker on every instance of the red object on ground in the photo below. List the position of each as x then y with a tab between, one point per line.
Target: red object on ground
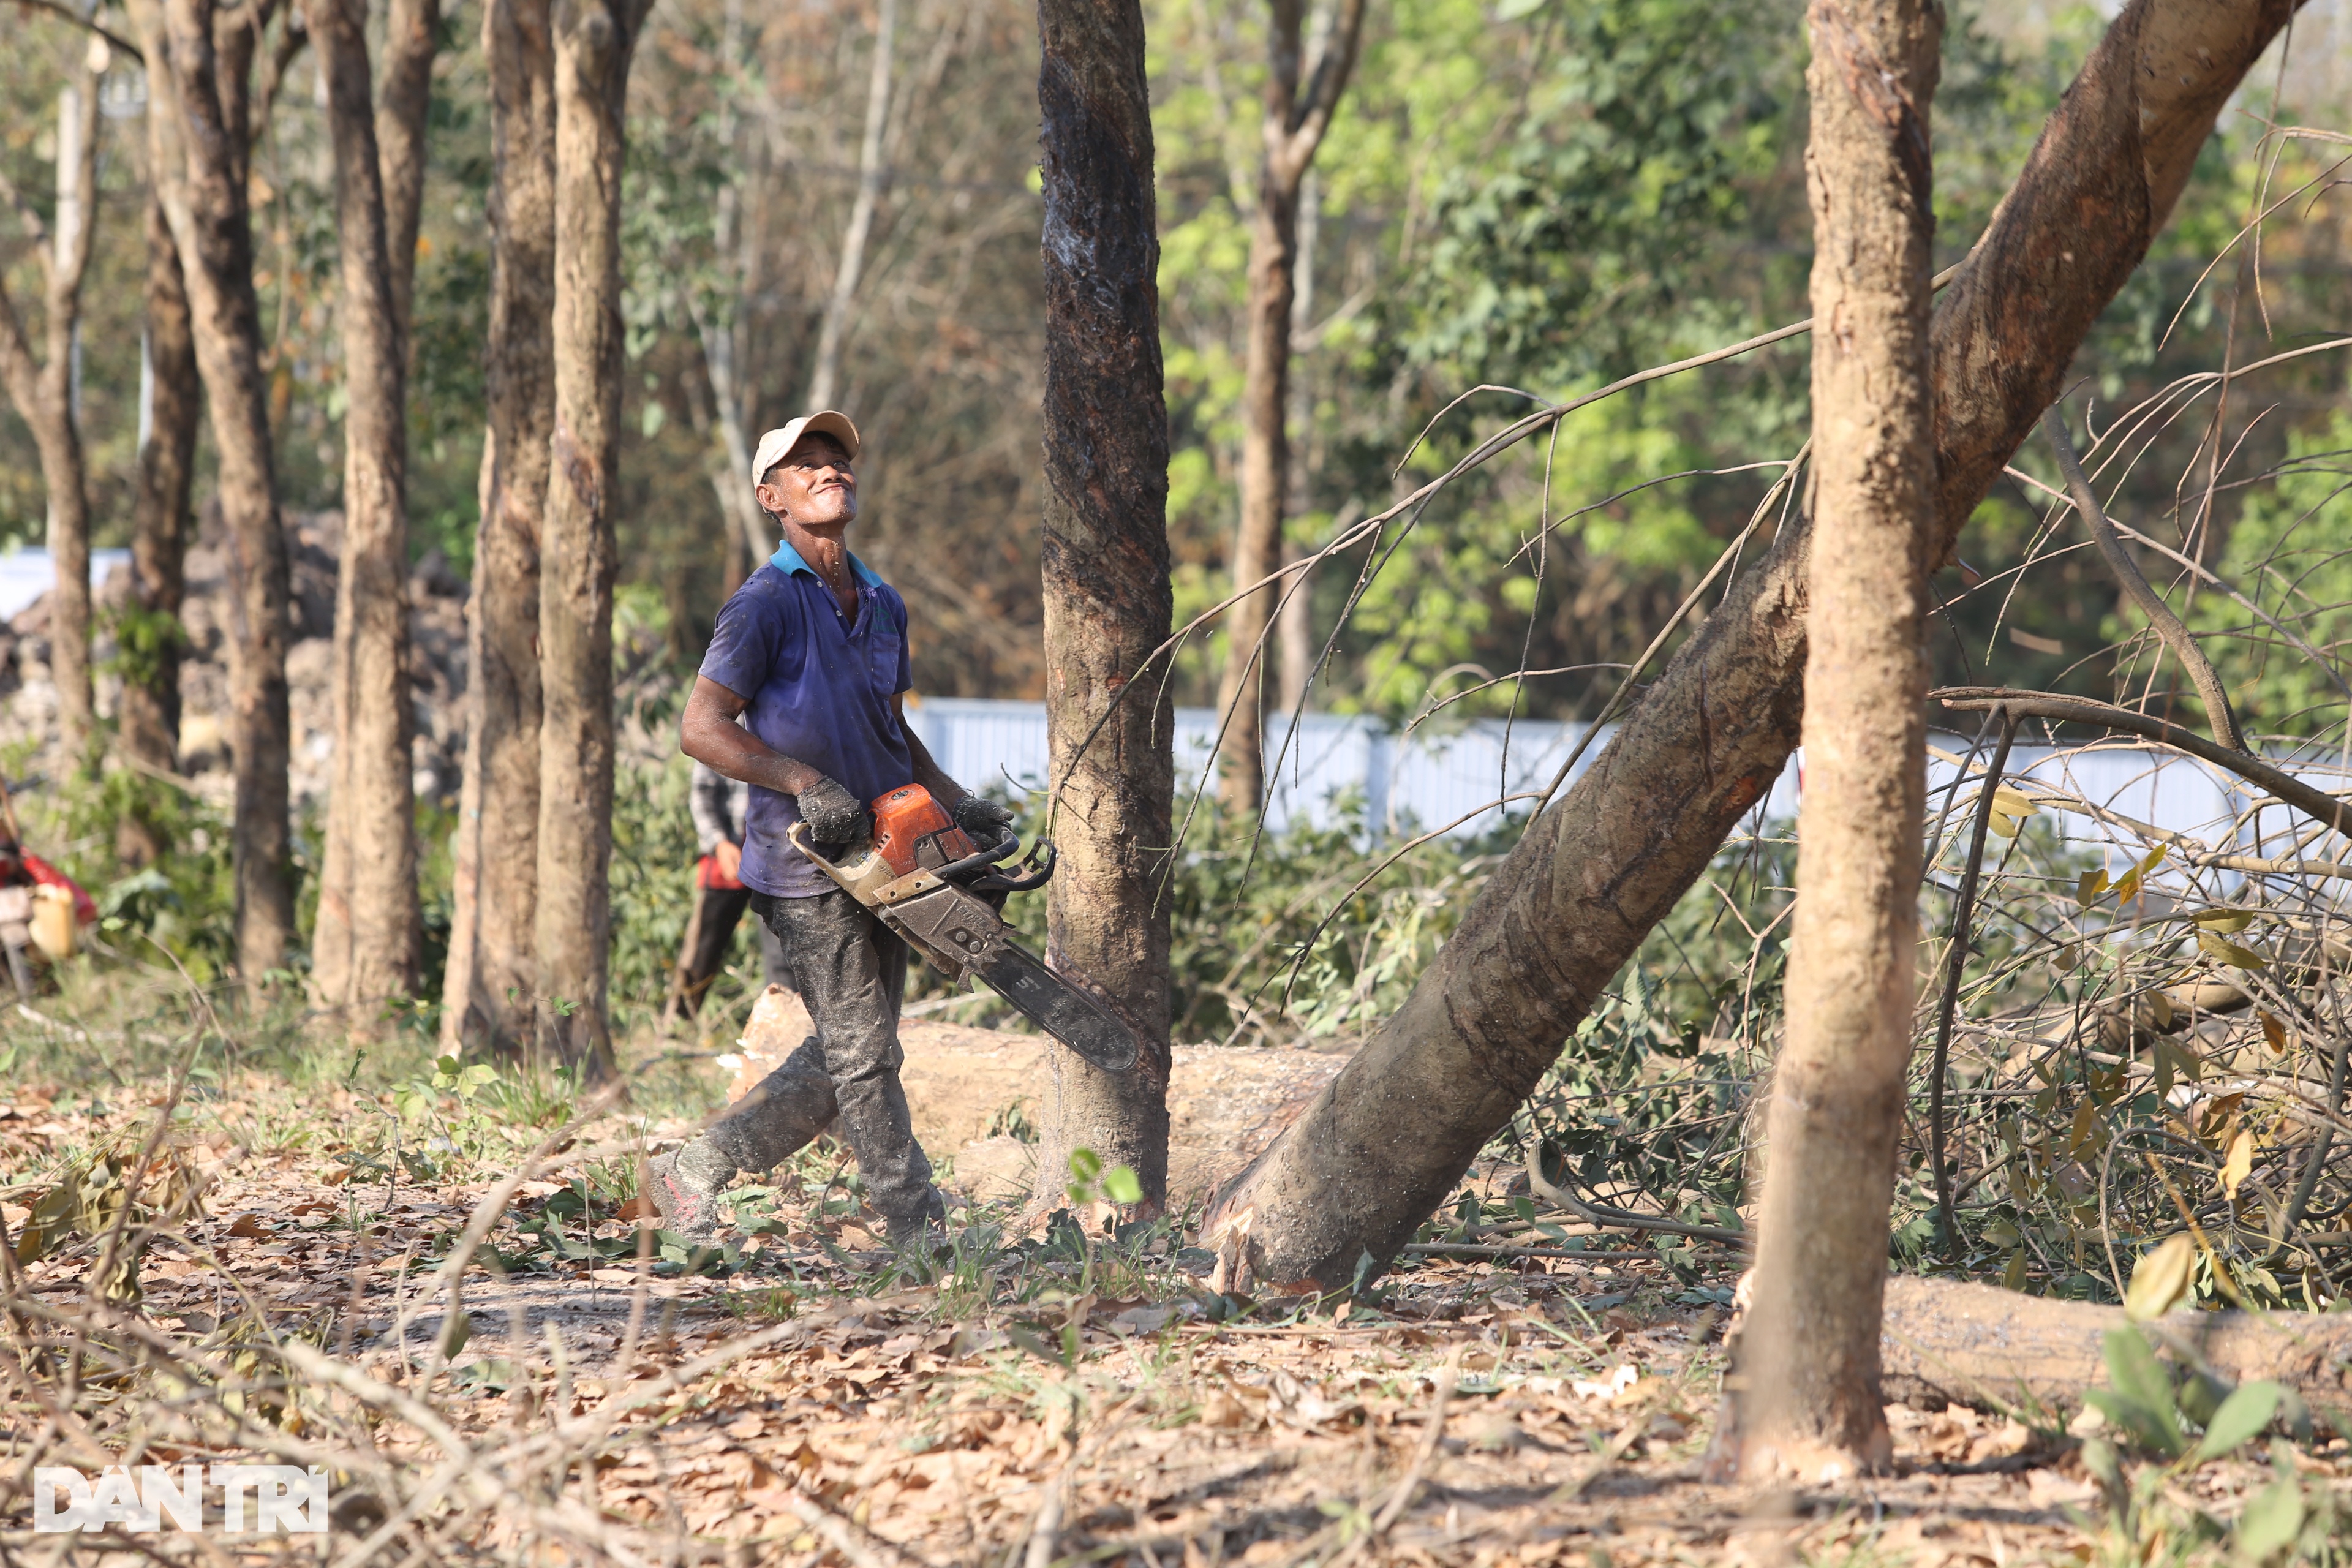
707	875
49	876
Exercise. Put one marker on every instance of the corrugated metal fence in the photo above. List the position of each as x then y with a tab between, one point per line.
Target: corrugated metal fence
1451	777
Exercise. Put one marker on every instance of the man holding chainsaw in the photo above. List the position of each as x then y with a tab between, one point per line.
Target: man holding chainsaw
812	653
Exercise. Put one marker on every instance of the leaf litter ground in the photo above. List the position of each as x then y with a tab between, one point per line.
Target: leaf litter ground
1054	1401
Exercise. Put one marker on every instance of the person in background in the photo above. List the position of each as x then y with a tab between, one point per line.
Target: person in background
718	804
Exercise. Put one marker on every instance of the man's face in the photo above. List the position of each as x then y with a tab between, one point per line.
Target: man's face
814	485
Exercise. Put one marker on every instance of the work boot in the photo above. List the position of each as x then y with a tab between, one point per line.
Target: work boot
685	1187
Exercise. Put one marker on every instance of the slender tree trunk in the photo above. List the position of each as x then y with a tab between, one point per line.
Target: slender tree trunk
147	715
1808	1403
488	989
593	42
825	379
1108	601
365	947
198	126
1385	1144
43	391
1292	127
1294	622
412	36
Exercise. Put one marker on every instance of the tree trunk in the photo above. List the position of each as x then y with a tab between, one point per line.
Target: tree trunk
1293	130
1944	1341
412	36
825	378
148	714
43	391
593	42
198	126
365	947
1107	601
1807	1404
1594	873
487	992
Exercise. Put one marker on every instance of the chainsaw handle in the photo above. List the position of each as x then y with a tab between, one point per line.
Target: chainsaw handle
980	862
996	881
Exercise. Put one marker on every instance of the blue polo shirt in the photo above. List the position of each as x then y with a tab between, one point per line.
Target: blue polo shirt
820	690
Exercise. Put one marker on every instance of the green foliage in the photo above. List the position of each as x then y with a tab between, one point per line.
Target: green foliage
184	899
2145	1507
2287	553
1641	148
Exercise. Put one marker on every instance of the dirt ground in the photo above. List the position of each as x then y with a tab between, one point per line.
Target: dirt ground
1038	1402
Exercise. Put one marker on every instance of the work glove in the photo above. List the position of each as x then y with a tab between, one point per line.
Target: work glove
988	823
834	814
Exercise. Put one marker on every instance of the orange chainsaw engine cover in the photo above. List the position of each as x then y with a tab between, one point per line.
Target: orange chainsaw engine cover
912	832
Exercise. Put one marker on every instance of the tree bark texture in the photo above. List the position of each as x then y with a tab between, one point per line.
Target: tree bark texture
486	999
1807	1403
198	65
147	715
1594	872
42	390
1944	1341
1108	603
412	36
1292	128
594	40
365	947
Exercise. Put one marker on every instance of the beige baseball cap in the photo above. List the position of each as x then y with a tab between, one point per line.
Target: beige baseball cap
777	443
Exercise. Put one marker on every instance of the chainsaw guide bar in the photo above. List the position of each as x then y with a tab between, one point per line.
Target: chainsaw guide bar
960	934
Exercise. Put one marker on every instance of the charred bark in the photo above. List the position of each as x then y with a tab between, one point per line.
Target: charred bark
1108	603
594	40
1804	1399
1593	874
147	715
365	946
198	65
486	998
1292	130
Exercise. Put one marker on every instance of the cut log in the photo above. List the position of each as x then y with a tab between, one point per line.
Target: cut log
1947	1341
1225	1104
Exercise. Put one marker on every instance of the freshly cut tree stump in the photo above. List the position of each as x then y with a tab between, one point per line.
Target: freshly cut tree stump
1947	1341
1225	1104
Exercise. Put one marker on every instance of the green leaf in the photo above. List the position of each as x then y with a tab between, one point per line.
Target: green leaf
2222	949
1517	10
2270	1522
2141	1400
2244	1414
1122	1186
1085	1165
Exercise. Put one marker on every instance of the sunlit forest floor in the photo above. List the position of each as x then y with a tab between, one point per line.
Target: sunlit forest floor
434	1285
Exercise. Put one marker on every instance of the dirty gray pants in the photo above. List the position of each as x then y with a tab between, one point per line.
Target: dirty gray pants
851	971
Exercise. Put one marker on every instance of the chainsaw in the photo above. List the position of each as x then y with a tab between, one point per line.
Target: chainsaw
922	876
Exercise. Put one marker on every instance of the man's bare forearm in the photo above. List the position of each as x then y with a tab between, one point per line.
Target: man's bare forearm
710	734
931	775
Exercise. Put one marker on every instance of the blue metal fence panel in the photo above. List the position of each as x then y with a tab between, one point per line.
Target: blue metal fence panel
1450	778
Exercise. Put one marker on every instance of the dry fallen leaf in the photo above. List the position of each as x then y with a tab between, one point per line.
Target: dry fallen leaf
2239	1163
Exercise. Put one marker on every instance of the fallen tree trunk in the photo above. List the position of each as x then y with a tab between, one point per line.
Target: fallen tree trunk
1944	1341
1385	1144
